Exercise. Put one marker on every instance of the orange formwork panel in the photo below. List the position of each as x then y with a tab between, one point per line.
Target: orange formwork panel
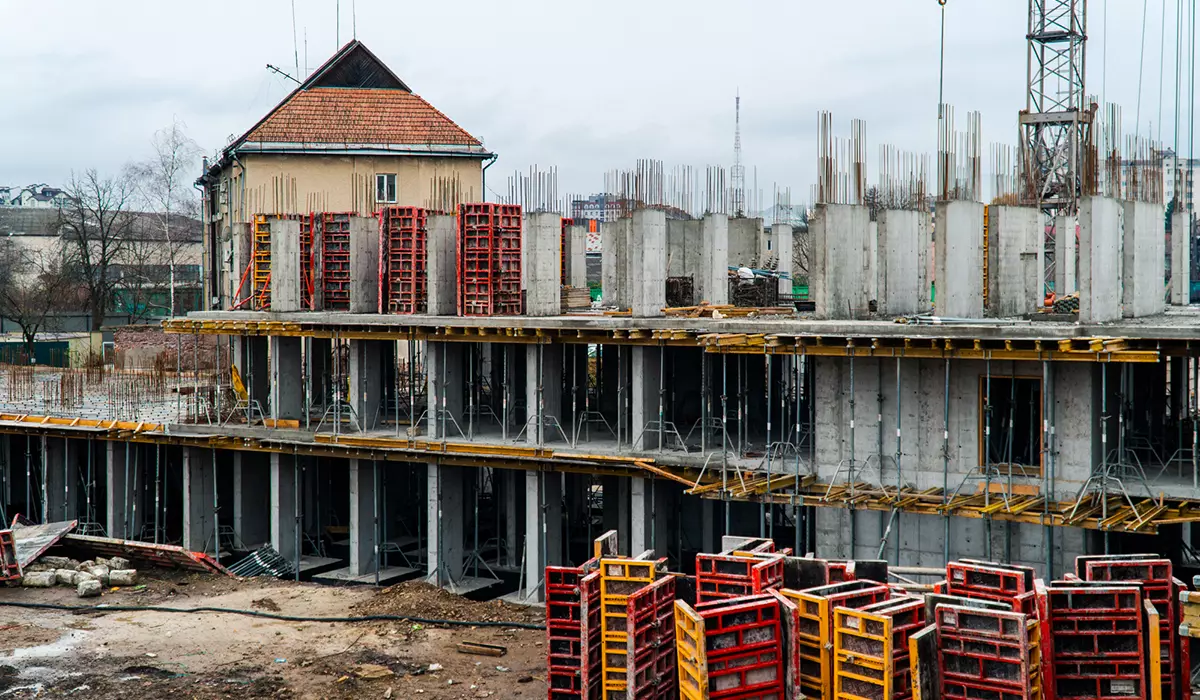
815	630
871	649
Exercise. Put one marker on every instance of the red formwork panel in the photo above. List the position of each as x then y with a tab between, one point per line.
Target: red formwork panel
403	287
988	654
590	655
789	617
744	639
562	249
1098	645
1183	673
334	234
489	259
651	625
1042	605
991	581
564	633
724	576
1155	575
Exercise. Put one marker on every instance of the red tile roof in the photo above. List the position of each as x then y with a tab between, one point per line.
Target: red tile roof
359	116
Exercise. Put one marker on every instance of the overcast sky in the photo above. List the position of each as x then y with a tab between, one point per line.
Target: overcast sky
586	85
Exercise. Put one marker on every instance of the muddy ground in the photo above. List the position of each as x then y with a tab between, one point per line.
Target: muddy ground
147	654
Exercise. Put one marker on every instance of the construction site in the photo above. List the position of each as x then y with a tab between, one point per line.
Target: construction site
954	454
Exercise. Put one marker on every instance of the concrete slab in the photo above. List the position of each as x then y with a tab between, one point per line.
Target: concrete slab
470	584
387	576
311	564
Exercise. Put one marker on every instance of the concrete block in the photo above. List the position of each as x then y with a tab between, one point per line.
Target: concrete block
1016	260
1101	233
650	264
122	577
712	280
364	265
899	262
285	265
838	260
1181	258
541	267
1066	255
441	247
88	589
958	264
38	579
1144	260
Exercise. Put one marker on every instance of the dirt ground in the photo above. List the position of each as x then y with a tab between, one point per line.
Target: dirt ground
146	654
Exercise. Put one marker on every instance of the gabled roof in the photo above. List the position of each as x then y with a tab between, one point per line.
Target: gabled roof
355	103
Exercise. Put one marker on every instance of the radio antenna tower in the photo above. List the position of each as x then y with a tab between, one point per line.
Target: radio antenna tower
738	172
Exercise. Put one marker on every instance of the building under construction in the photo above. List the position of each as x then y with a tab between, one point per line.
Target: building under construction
399	380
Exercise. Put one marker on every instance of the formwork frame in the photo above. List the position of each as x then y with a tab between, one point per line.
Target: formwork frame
744	647
651	636
988	654
403	283
567	629
619	580
815	631
724	576
1098	643
488	260
335	259
871	649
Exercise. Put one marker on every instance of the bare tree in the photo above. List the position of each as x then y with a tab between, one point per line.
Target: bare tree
96	223
144	269
34	283
164	185
801	248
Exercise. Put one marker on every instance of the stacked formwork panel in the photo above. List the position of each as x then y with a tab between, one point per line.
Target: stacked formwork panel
334	235
489	260
636	632
814	638
651	641
734	649
1005	583
1158	586
402	260
307	260
1098	647
736	575
871	649
573	631
260	264
988	654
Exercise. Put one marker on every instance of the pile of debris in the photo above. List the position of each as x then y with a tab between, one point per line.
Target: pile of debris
40	556
88	577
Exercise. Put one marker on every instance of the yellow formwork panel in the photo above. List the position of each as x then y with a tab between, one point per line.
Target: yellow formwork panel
862	650
1154	651
815	642
261	262
1036	682
619	579
692	654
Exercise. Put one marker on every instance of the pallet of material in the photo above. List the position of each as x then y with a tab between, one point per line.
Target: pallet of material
575	298
706	310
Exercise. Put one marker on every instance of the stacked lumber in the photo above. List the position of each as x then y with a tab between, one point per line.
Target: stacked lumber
706	310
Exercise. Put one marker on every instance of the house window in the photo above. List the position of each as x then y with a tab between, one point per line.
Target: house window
1014	414
385	187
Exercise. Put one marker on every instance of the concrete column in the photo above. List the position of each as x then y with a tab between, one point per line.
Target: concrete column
285	265
444	368
115	489
251	478
284	525
544	388
624	500
512	484
577	256
871	274
615	261
364	543
784	245
441	244
744	236
712	284
958	265
1144	260
924	260
364	265
1101	231
445	517
1016	260
1181	258
1065	255
645	397
366	380
899	262
199	489
61	482
639	513
838	264
287	385
543	528
541	269
650	263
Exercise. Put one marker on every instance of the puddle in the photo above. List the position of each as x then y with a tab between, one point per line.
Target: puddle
30	663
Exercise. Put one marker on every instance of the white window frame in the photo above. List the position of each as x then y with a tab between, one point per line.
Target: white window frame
386	183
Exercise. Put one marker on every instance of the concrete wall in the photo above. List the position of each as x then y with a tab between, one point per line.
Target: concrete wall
922	396
745	240
615	239
285	265
1016	260
1066	255
781	234
650	264
1101	235
541	243
441	247
364	265
715	260
1181	258
899	262
958	266
837	278
1143	260
576	254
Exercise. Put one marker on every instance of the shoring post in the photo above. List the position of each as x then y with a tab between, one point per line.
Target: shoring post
1104	448
216	509
298	476
899	453
725	437
987	456
798	369
157	489
946	462
762	506
45	474
375	515
853	463
1047	461
662	395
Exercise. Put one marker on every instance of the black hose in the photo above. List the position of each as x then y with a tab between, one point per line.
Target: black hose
272	616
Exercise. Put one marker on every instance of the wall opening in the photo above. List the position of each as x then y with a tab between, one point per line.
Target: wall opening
1013	412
